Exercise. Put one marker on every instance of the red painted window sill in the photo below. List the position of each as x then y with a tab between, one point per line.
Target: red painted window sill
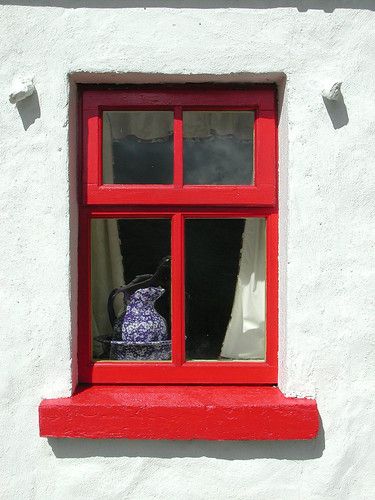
179	412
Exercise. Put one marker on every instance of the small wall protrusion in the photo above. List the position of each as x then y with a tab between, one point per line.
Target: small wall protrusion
22	87
332	92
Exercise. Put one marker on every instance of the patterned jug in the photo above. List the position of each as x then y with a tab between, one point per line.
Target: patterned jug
141	322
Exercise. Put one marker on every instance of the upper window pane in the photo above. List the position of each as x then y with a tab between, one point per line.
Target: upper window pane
218	147
137	147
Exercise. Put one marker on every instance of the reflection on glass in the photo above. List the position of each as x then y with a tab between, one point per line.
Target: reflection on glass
130	289
137	147
225	289
218	147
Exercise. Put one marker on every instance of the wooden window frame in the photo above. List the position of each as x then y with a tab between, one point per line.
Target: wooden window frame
176	202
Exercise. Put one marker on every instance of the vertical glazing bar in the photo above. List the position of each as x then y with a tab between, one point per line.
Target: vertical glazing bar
178	293
272	290
100	148
178	147
84	298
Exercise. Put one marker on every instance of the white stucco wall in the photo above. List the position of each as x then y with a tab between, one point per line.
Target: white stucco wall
327	284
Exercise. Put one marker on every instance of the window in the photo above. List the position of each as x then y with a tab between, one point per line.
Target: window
179	183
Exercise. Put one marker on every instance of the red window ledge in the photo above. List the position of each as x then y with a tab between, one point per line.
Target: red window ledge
179	412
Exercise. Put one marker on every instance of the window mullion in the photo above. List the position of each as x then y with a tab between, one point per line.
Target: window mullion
178	286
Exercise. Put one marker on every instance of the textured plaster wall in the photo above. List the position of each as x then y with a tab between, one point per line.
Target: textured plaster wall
327	231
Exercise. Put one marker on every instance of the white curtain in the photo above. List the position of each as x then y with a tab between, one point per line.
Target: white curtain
224	123
158	125
145	125
245	335
107	270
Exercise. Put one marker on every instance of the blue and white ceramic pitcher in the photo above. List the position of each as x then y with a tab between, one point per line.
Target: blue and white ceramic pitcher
140	331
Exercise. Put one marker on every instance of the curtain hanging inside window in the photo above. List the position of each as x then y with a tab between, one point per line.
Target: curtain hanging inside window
158	126
245	335
107	270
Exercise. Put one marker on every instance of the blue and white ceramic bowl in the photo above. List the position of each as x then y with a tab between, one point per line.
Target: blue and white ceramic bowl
140	351
134	351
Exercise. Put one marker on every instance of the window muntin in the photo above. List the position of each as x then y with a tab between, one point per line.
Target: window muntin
181	202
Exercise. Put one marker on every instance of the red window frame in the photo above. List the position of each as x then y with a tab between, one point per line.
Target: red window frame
177	201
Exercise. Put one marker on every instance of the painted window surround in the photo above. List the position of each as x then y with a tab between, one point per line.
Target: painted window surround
214	407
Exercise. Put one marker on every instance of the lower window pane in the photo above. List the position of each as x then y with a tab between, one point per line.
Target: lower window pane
136	324
225	289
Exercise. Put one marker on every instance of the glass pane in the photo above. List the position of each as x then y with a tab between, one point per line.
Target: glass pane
137	147
133	324
225	289
218	147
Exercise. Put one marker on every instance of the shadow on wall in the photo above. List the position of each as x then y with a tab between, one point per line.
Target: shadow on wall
337	112
29	109
225	450
302	5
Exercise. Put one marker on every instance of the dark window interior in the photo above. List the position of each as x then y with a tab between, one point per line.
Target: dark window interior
137	161
212	259
144	242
